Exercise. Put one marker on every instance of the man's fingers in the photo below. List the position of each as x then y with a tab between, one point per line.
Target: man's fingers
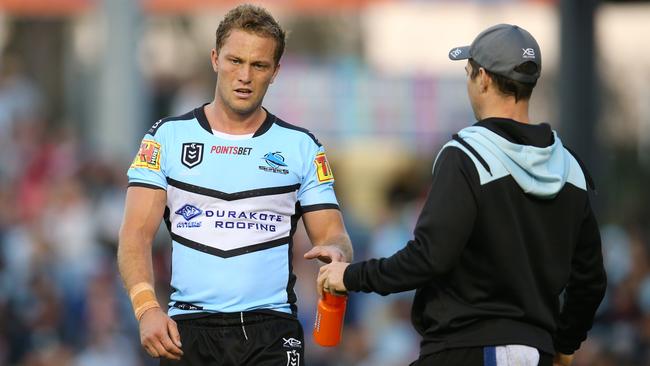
322	279
170	347
173	333
314	252
325	254
150	350
166	354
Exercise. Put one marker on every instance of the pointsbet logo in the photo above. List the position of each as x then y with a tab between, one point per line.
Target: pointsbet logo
230	150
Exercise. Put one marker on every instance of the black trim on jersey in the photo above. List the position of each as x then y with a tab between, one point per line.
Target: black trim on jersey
588	178
266	125
284	124
166	218
229	253
231	196
321	206
200	116
471	150
145	185
291	281
270	119
184	117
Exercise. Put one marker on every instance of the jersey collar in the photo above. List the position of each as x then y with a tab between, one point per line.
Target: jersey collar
199	114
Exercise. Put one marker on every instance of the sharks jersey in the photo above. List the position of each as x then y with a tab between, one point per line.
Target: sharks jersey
232	208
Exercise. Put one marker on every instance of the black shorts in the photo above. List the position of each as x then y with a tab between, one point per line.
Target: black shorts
223	339
471	356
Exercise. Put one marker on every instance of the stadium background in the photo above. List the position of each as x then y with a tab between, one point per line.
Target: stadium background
81	80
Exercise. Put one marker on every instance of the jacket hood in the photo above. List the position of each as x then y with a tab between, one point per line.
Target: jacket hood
539	171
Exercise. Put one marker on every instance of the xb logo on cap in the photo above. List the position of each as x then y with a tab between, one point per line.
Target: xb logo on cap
528	53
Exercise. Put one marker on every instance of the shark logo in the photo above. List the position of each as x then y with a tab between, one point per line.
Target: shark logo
274	159
275	162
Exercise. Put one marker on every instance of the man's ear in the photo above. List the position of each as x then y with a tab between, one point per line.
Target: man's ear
214	59
275	73
484	80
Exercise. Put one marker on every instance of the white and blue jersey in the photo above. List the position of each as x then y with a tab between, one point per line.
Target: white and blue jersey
232	209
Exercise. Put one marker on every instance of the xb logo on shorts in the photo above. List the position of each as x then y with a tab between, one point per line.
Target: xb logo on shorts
192	154
291	343
275	162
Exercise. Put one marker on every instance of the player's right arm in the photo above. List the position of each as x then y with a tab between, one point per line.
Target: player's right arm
142	215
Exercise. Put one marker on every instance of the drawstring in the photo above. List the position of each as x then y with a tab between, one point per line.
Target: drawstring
242	325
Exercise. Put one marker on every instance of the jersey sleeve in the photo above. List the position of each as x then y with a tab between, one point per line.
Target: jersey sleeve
317	186
148	166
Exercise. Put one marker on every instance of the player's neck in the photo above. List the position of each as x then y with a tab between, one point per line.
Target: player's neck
507	108
226	121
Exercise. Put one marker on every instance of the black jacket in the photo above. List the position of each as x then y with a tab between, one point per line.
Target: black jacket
506	228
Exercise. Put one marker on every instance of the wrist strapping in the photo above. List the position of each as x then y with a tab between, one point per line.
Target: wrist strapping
143	298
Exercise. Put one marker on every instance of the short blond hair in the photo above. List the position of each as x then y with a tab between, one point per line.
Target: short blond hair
253	19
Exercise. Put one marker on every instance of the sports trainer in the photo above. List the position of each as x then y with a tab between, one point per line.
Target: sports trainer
231	180
507	228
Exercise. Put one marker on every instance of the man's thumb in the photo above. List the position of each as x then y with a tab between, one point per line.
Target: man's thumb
312	253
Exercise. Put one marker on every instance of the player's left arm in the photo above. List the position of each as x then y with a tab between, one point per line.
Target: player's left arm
328	235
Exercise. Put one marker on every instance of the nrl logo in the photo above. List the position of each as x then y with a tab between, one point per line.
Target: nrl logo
293	358
192	154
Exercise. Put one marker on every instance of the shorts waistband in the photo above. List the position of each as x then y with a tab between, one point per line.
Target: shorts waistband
225	319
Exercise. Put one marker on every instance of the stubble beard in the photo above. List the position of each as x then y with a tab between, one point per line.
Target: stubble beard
241	108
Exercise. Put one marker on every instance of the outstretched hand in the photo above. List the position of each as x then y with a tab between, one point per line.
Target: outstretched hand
330	278
325	253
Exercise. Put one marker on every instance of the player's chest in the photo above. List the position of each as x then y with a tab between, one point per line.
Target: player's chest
234	165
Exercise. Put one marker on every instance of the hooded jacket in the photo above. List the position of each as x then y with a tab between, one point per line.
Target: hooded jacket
506	228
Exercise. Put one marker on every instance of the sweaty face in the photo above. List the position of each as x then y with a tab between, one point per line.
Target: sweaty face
245	67
473	90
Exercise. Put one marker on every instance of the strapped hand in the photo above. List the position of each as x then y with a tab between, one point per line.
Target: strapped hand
159	335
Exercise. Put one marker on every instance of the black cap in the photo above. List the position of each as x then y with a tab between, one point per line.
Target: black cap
500	49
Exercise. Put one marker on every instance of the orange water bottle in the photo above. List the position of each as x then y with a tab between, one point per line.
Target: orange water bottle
329	319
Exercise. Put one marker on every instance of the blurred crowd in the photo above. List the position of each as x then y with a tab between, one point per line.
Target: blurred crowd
62	303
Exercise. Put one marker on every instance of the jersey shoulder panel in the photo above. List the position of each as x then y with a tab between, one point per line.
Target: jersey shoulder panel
156	126
302	130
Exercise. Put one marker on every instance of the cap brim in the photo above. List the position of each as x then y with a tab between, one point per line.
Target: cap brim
459	53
